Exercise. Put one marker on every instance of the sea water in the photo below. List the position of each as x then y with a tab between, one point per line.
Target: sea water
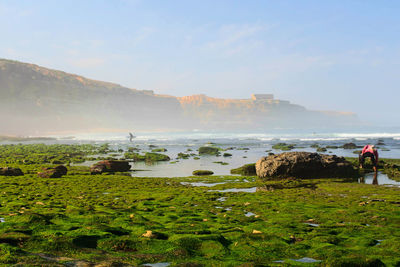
244	147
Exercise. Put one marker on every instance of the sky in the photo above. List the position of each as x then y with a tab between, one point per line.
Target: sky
324	55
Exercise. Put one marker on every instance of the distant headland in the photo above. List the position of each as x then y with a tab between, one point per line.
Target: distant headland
35	101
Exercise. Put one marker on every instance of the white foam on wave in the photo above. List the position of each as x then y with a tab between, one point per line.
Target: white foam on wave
196	135
324	139
369	135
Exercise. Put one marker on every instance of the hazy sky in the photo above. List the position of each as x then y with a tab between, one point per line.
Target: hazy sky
324	55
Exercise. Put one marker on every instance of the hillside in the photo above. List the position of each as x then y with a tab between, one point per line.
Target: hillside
36	100
259	114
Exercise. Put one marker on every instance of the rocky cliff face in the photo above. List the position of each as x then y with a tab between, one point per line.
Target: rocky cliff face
211	112
37	100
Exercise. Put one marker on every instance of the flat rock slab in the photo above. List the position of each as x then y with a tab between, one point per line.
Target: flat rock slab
8	171
304	165
110	166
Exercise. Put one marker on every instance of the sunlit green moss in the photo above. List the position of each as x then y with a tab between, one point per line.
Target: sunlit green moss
136	220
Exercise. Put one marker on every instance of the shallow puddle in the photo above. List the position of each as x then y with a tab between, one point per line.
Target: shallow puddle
312	224
302	260
235	190
378	179
159	264
202	184
306	260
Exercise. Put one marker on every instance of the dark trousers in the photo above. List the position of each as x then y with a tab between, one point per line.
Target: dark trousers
361	158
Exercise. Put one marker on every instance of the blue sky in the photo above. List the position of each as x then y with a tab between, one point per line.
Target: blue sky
324	55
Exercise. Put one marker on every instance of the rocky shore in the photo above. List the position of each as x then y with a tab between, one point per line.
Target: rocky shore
114	219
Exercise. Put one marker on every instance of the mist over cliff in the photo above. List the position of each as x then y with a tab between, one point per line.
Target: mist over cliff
36	100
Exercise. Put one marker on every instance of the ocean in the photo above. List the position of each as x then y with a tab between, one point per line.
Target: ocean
245	147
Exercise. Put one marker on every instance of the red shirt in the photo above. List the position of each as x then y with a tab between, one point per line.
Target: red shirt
368	148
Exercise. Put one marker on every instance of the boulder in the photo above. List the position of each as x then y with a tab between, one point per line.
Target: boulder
110	166
248	169
8	171
304	165
208	150
202	172
53	172
349	146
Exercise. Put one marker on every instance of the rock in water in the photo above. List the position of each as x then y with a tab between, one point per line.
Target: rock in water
8	171
56	172
208	150
304	165
349	146
110	166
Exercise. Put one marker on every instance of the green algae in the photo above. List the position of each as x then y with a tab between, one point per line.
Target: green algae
202	172
247	169
283	146
183	155
209	150
221	162
159	150
137	220
148	156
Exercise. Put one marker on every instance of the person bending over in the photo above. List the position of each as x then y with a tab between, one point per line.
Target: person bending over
369	151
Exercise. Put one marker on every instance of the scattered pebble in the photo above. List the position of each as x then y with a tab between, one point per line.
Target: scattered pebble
148	234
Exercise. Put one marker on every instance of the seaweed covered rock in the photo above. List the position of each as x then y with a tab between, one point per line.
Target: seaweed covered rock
202	172
248	169
349	146
283	146
208	150
148	157
53	172
152	157
110	166
304	165
8	171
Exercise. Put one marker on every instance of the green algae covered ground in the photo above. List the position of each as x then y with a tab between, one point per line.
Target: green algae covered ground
214	220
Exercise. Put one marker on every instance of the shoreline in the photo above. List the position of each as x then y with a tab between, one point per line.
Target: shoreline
218	220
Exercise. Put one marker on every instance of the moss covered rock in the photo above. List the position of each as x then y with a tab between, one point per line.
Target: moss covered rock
248	169
208	150
283	146
304	165
110	166
56	172
202	172
8	171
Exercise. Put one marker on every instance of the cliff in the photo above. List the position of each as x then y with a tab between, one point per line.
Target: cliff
37	100
258	114
34	100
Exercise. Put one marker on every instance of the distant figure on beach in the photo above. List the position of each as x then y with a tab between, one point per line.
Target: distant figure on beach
369	151
131	136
